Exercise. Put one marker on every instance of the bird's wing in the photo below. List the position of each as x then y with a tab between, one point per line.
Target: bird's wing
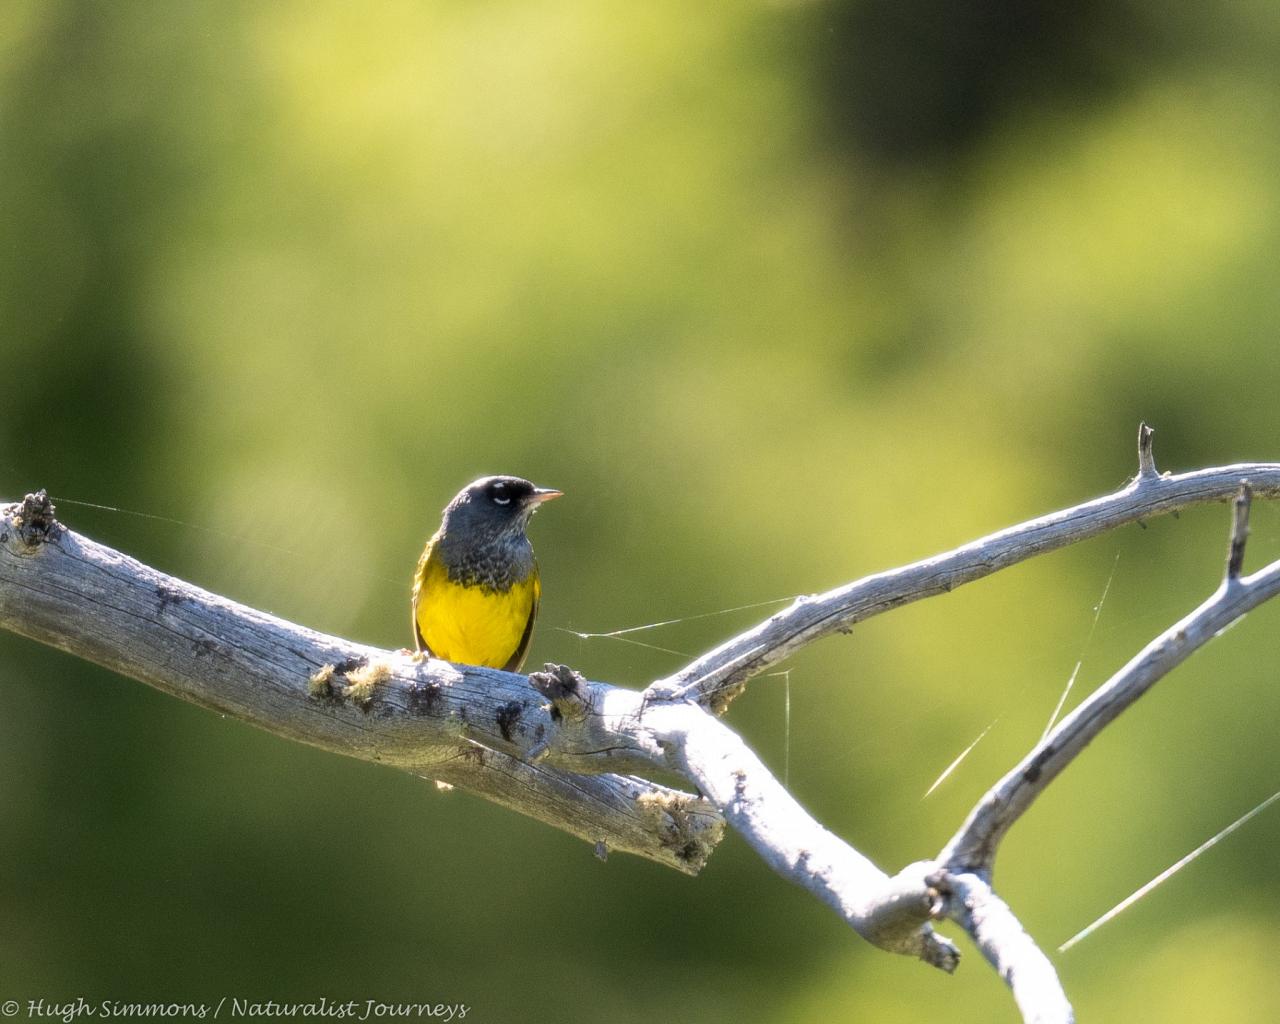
419	579
522	649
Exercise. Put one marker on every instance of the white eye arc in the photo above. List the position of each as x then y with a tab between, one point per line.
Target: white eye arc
501	501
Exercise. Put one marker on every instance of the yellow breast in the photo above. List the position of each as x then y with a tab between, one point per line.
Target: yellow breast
473	625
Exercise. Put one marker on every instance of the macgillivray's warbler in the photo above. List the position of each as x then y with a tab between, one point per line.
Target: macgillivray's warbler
476	589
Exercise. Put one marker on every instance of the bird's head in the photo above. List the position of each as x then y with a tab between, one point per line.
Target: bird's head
494	506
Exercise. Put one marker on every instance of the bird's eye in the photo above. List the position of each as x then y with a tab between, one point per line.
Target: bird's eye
499	495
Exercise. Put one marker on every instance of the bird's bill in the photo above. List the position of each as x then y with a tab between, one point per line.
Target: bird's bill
541	494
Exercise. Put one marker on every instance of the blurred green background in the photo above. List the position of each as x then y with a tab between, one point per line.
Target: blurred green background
780	294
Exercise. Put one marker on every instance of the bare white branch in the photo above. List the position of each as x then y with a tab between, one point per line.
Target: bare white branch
971	903
973	848
717	677
685	738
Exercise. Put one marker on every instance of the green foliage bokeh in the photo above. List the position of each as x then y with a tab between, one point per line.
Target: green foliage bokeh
780	294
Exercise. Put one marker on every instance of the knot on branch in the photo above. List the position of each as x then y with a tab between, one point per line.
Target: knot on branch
34	519
566	689
896	918
941	890
687	824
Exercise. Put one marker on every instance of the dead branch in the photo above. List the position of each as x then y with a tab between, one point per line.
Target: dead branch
552	745
973	848
717	677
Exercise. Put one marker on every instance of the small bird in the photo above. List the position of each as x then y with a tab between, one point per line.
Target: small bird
476	589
